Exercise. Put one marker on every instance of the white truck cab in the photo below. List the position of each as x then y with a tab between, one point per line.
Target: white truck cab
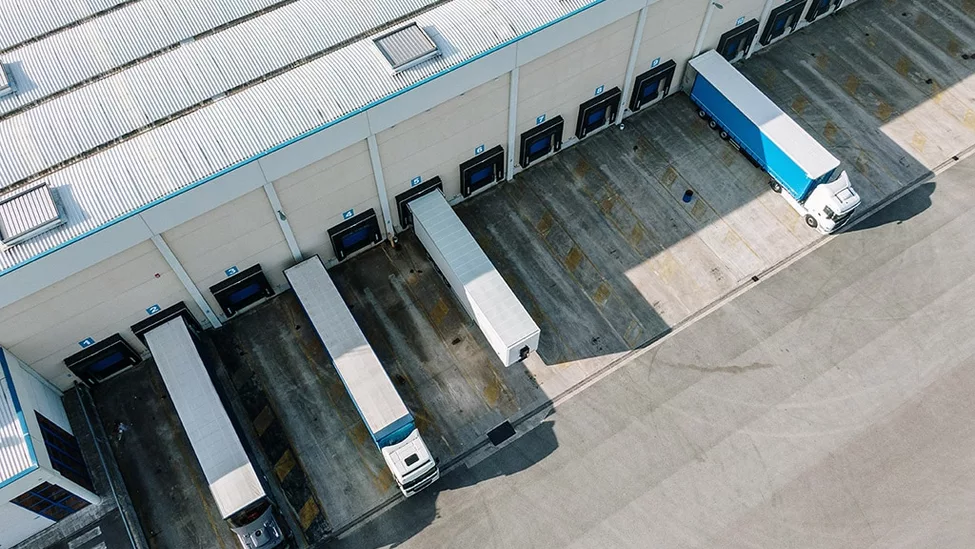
828	207
411	463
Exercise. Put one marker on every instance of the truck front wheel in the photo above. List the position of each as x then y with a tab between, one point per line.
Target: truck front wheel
811	221
776	187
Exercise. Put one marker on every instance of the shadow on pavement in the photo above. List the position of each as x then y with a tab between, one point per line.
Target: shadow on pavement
410	517
906	207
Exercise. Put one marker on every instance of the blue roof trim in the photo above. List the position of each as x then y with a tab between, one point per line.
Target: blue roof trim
20	417
19	476
297	138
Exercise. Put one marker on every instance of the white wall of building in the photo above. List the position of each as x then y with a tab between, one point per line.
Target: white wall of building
19	524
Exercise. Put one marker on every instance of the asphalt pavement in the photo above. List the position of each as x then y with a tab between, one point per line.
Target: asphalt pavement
828	406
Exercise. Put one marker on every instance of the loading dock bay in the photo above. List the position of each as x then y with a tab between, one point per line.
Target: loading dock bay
602	244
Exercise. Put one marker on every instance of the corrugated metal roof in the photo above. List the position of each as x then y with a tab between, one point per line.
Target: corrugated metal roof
23	21
103	44
201	141
15	453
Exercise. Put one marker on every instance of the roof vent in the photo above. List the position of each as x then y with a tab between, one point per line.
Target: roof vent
406	46
7	86
27	214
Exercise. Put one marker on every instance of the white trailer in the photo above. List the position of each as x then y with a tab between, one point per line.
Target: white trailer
235	487
386	416
477	284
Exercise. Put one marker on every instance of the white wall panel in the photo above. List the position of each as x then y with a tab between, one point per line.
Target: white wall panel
670	33
557	83
19	524
570	30
439	140
240	233
315	196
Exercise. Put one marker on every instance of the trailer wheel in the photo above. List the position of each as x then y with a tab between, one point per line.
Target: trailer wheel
776	187
702	114
713	124
724	135
811	221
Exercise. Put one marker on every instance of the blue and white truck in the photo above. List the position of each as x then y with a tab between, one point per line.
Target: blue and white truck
774	142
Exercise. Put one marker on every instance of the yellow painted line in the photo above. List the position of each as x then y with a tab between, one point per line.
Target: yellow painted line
861	162
970	118
606	205
263	420
852	84
285	465
573	258
822	61
953	47
670	175
545	224
829	132
919	141
308	513
903	66
439	312
602	293
698	210
636	236
884	110
800	104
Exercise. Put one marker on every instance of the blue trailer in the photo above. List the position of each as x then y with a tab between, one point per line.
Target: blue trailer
774	142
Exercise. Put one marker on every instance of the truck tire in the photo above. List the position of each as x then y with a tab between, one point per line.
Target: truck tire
724	135
811	221
713	124
776	187
702	114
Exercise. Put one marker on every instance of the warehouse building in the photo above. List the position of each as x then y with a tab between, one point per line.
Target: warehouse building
161	151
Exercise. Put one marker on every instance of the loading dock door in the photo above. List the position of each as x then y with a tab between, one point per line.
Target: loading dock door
735	43
477	284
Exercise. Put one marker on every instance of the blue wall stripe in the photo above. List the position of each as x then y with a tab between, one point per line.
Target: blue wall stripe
309	133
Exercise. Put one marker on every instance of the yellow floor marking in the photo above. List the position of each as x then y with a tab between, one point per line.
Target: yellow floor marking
284	465
861	163
636	236
263	420
439	312
545	224
602	293
919	141
953	47
573	258
800	104
670	175
829	132
884	110
852	84
308	513
903	66
822	61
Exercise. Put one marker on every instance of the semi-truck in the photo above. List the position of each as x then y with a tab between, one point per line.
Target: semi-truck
236	489
387	418
801	169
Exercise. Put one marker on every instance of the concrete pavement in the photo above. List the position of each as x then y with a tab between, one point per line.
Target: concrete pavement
829	406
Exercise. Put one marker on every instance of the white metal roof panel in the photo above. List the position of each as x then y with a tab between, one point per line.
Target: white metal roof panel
773	123
28	19
483	284
15	455
364	377
228	471
150	165
101	45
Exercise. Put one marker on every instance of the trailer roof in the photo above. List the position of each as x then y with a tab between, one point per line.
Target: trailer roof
367	382
814	159
225	464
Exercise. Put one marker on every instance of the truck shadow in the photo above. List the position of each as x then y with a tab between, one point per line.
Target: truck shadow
410	517
899	211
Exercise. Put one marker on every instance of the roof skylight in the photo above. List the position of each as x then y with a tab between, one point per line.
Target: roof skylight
406	46
27	214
